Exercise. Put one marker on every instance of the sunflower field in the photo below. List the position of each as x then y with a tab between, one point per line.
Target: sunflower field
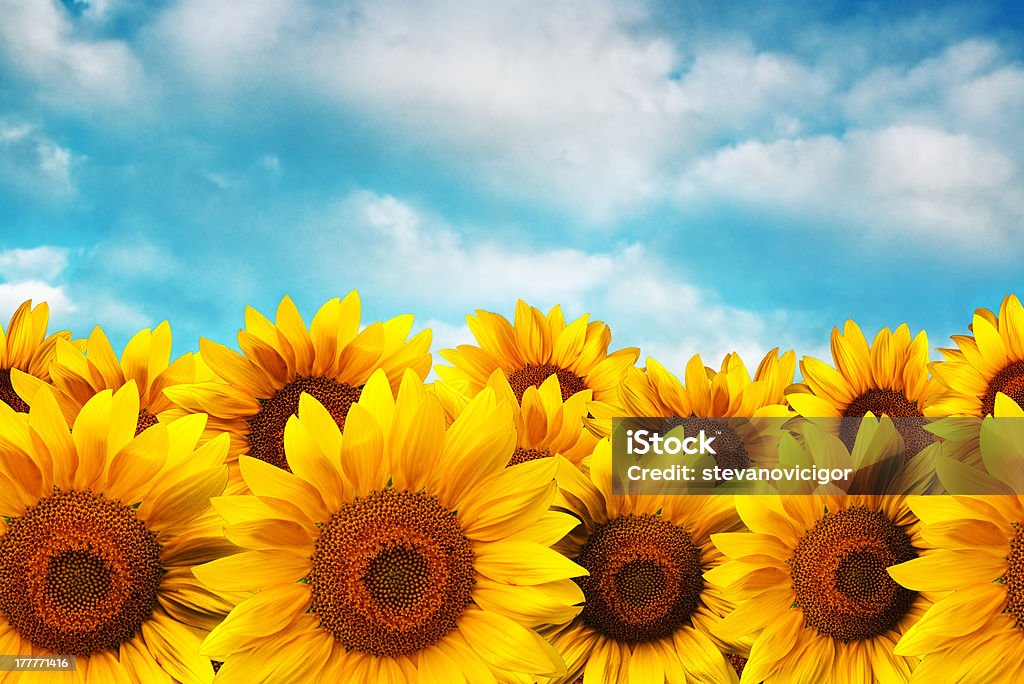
310	506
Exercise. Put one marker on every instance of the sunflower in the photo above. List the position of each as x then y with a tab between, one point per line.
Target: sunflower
975	630
401	550
649	613
985	364
810	580
983	455
99	530
728	392
146	359
331	360
546	424
26	347
534	348
888	378
724	402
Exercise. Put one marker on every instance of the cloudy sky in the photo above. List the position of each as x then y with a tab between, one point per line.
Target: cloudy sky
705	177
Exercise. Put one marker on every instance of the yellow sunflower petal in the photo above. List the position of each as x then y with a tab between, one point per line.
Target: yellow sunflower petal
945	570
437	667
750	546
474	668
140	664
265	355
360	356
990	344
523	562
549	529
235	369
90	433
176	648
292	329
272	534
362	452
826	382
532	606
309	463
751	616
133	468
263	614
532	334
267	480
236	573
703	660
104	667
511	501
645	665
508	645
962	612
811	406
605	664
178	506
477	446
777	640
416	446
569	343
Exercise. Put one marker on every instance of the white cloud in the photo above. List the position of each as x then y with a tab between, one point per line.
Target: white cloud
29	274
905	182
398	253
974	87
921	92
222	181
135	257
271	164
601	112
407	252
587	108
38	38
445	335
733	90
40	274
55	163
101	10
12	134
32	161
44	263
13	294
932	156
112	314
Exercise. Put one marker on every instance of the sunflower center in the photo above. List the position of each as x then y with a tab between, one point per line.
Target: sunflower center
534	375
146	420
738	662
523	455
7	393
645	578
894	404
266	428
79	573
1009	381
840	579
391	573
78	579
1014	577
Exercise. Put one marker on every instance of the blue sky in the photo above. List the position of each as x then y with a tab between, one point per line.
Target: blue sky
704	177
